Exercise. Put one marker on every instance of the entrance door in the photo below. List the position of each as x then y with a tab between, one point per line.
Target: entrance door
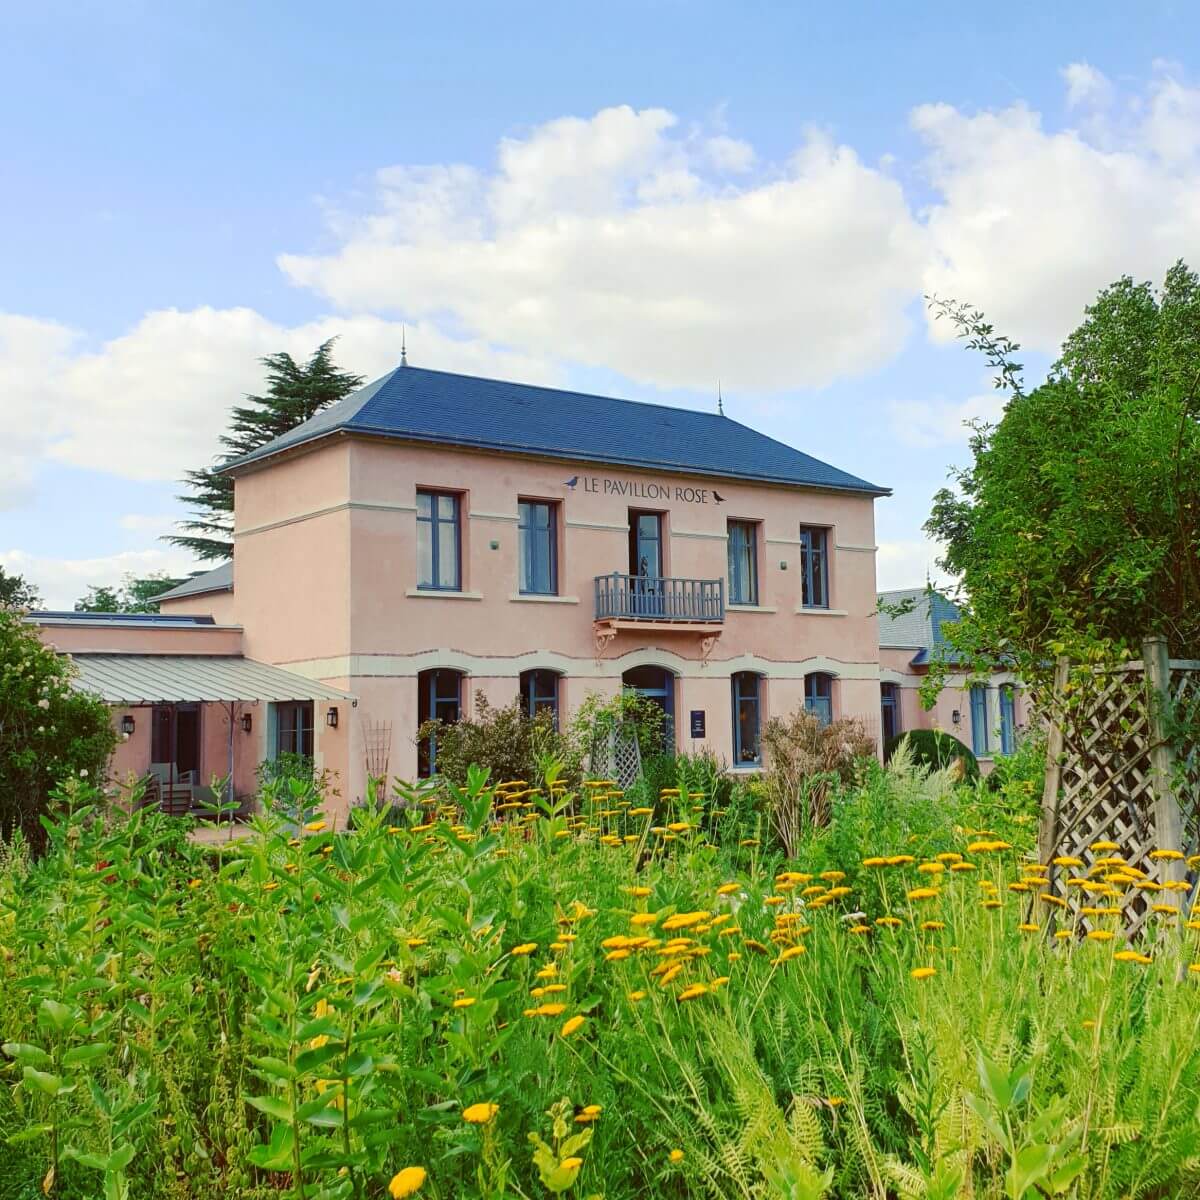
646	563
175	741
657	685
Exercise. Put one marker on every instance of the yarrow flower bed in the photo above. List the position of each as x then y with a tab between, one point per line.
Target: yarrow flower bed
518	991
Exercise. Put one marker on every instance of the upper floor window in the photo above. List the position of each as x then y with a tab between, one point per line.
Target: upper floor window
979	719
818	696
439	541
539	694
747	750
814	566
743	563
538	537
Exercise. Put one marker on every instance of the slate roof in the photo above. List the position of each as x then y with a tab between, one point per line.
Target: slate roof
219	579
920	629
418	405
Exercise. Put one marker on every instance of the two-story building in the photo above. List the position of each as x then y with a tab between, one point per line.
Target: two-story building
436	535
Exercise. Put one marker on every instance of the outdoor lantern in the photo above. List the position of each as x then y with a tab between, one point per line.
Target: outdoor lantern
956	717
331	718
127	724
247	722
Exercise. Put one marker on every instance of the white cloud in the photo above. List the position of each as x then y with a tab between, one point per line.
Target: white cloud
907	564
62	581
150	404
923	423
1086	87
620	242
1032	223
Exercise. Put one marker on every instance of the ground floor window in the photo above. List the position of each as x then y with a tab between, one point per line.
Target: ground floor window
1008	719
747	749
979	722
539	694
889	709
818	695
439	698
294	728
657	685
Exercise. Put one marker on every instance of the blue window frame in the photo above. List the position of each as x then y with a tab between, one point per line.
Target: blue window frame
814	567
439	541
538	539
979	719
818	695
889	709
539	694
747	748
1008	720
743	562
439	698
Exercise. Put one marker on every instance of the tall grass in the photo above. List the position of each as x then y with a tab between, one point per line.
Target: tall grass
318	1013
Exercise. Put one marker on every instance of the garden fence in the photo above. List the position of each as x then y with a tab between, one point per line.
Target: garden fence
1123	766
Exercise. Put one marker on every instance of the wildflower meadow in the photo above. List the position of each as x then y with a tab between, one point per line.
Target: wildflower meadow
530	990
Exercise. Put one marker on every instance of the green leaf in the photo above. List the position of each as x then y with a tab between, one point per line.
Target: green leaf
54	1015
272	1106
51	1085
78	1055
27	1055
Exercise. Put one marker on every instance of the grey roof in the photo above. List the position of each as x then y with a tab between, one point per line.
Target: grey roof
135	679
143	620
921	628
417	405
219	579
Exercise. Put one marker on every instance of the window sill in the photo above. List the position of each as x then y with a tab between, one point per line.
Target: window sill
750	608
746	769
821	612
534	598
434	594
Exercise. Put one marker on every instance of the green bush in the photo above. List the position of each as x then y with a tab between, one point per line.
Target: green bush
48	731
935	748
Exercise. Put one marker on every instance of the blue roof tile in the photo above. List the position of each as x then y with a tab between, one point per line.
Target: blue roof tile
418	405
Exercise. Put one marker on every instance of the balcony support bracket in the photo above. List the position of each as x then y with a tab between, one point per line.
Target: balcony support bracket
604	635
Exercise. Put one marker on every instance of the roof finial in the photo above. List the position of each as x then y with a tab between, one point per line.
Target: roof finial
720	401
403	348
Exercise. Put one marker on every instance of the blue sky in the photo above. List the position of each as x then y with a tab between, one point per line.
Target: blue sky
636	198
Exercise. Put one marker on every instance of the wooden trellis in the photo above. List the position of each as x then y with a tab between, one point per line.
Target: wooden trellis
1123	766
617	755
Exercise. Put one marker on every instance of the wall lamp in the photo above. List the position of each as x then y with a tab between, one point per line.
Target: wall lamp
128	724
331	718
247	722
956	717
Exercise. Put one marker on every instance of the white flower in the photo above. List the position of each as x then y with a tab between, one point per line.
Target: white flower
83	773
43	703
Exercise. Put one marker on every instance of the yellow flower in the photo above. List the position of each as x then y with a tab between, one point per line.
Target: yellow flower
1100	935
1103	847
693	991
524	949
923	893
676	1156
835	1101
791	952
1132	956
480	1114
933	926
571	1025
636	996
547	972
194	883
1026	927
464	1002
1194	968
1067	860
1167	910
962	866
889	922
727	889
860	929
571	1164
547	1010
923	972
645	918
316	827
1166	855
931	868
406	1182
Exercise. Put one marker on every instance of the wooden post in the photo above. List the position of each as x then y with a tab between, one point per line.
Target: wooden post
1168	819
1048	847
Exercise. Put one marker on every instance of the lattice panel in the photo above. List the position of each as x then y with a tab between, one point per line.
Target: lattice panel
617	756
1107	779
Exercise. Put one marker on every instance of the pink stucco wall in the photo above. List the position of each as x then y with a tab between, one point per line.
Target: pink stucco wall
325	566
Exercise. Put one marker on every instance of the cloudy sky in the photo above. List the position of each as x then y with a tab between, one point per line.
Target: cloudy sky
640	198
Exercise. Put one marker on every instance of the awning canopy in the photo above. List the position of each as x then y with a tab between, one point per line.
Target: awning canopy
136	679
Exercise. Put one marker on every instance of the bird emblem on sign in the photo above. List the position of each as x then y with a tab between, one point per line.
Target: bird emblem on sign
571	482
718	497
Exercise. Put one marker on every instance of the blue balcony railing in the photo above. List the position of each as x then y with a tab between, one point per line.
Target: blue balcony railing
659	598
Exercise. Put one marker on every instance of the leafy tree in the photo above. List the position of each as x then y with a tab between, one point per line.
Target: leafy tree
48	731
295	392
1076	529
134	596
17	592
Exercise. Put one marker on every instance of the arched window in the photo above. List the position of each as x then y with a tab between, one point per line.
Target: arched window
439	698
539	694
889	709
747	750
656	684
818	695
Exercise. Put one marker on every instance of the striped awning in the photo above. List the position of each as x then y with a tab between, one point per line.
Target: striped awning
136	679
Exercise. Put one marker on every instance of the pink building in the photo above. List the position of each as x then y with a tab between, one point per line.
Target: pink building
987	717
434	536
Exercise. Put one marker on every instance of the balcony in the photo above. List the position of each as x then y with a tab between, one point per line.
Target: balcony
660	603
